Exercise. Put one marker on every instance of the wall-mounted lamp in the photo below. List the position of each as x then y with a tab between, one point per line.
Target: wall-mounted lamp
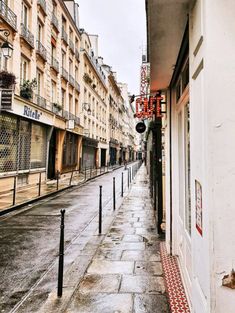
6	47
87	107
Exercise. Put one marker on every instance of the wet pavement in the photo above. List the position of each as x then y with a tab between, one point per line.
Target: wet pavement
116	272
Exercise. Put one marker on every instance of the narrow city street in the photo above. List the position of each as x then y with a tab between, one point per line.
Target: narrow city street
118	271
30	241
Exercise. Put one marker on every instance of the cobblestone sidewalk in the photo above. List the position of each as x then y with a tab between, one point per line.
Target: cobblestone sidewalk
125	275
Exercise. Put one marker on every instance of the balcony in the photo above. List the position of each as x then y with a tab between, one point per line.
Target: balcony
41	50
64	35
71	80
65	115
71	45
55	22
75	118
42	5
64	74
27	35
77	86
8	15
55	64
40	101
77	55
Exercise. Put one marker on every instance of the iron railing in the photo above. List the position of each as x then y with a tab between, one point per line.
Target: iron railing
64	35
64	73
41	50
54	64
27	35
43	5
71	80
40	101
8	15
71	45
54	21
77	86
77	55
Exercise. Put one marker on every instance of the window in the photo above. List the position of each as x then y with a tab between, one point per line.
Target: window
70	103
25	15
76	73
39	82
76	107
63	98
53	92
63	59
39	32
70	67
24	69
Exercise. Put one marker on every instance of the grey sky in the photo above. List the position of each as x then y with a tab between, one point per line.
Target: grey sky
121	27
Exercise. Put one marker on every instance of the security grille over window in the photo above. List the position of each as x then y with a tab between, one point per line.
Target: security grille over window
38	147
8	143
24	145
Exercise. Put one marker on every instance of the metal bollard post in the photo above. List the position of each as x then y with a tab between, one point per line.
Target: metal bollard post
39	184
122	186
14	191
85	173
90	171
128	180
130	175
96	171
100	211
114	195
61	257
70	181
57	180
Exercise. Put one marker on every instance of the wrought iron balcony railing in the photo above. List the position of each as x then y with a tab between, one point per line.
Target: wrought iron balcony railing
75	118
54	21
71	45
40	101
77	55
64	35
77	86
43	5
8	15
27	35
41	50
54	64
71	80
64	74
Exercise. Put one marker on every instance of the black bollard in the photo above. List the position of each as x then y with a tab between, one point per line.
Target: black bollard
90	171
130	175
122	186
128	179
14	191
39	184
100	211
114	195
61	256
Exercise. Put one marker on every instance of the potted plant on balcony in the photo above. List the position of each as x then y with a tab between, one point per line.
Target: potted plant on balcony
7	80
57	107
26	89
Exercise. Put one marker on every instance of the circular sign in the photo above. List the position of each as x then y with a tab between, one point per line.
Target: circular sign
140	127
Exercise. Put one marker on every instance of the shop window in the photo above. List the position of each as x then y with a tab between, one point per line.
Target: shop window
24	145
70	150
38	147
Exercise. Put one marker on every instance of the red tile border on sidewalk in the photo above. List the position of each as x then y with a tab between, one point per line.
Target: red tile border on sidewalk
175	289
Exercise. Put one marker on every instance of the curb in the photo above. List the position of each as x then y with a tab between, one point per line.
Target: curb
53	193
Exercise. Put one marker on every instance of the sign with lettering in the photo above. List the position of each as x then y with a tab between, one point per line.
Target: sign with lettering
35	114
6	96
198	195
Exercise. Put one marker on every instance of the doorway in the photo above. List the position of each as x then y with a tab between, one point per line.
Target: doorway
51	160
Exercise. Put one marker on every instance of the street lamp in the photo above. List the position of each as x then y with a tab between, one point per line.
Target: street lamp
6	47
87	107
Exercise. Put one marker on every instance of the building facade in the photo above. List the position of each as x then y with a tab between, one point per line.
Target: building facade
191	69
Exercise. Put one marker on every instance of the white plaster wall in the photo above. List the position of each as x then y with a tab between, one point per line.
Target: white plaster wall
219	97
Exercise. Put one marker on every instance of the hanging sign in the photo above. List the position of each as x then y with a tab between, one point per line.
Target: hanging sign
140	127
198	195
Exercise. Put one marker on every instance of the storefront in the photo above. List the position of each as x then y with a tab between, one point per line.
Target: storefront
24	135
89	152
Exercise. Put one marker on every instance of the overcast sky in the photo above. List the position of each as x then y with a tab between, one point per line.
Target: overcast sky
121	26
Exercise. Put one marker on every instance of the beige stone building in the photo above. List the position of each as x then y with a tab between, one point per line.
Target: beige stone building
41	130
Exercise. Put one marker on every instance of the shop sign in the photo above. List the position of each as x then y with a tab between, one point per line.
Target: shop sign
34	114
140	127
6	96
198	195
71	124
